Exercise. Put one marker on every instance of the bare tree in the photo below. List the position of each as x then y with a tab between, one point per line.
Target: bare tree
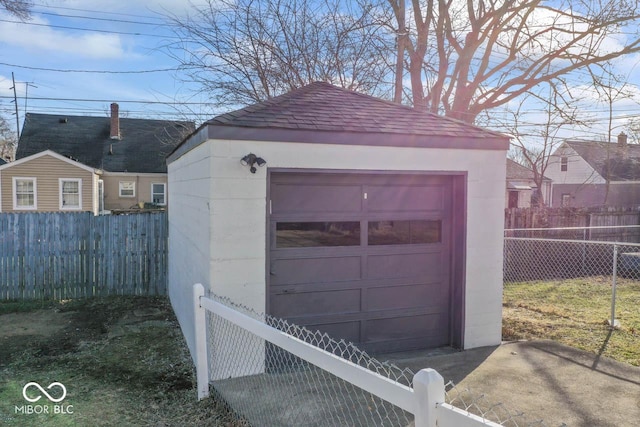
8	142
246	51
533	142
18	8
610	87
488	53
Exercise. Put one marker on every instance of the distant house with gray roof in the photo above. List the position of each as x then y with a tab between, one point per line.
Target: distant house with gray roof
521	186
86	163
591	173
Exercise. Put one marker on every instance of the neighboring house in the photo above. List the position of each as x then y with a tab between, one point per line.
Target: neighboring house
126	157
374	222
521	186
590	173
48	182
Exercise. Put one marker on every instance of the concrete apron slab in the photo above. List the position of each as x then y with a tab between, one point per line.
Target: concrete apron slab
543	379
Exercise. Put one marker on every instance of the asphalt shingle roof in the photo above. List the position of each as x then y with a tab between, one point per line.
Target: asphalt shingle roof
610	160
142	148
516	171
324	107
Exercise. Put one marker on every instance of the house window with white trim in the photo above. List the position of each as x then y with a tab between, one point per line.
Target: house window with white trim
70	194
24	194
159	193
564	164
127	189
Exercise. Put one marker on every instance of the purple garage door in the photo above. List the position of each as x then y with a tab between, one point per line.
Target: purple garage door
364	257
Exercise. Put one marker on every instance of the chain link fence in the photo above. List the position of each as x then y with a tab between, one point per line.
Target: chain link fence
265	385
582	293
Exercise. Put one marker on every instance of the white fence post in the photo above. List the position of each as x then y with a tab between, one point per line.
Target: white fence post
428	388
200	330
613	324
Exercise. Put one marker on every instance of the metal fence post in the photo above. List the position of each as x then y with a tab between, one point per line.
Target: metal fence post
200	332
613	324
428	386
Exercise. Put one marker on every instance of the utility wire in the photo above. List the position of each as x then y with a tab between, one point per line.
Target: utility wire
46	6
57	70
64	27
155	24
109	100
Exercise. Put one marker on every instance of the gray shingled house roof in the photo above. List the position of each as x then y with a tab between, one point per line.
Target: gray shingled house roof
322	113
143	146
516	171
612	161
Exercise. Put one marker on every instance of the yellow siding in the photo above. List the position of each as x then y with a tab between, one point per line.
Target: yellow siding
112	199
47	170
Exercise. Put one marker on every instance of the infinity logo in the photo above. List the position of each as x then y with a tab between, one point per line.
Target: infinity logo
53	399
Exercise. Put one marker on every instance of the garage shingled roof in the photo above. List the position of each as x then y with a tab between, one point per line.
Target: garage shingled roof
325	114
324	107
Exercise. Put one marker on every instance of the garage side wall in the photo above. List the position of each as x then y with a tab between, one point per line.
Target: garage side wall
189	233
239	207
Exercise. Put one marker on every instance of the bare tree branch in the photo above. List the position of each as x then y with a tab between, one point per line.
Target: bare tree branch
19	8
497	51
246	51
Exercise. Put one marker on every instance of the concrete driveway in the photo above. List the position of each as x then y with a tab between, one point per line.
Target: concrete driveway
545	380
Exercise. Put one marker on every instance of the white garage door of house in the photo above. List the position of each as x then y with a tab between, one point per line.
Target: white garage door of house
364	257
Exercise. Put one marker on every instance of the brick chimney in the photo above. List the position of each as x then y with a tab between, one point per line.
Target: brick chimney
115	121
622	140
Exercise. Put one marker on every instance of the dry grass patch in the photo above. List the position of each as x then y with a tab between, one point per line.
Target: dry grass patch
576	312
123	361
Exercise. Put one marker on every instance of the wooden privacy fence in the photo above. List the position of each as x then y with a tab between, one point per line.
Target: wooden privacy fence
570	217
70	255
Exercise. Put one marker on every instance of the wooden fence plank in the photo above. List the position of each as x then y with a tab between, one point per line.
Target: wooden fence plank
72	255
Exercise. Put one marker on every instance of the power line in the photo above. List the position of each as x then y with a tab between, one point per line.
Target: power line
57	70
109	100
46	6
64	27
125	21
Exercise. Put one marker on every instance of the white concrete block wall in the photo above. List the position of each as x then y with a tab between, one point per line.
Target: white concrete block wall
189	233
239	257
221	241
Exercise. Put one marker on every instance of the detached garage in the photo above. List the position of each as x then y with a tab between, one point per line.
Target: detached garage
371	221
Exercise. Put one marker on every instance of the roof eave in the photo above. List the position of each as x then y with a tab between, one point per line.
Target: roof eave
314	136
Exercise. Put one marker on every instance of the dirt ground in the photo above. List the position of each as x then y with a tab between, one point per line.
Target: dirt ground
123	361
63	326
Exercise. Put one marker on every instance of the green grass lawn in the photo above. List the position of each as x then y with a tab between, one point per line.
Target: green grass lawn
575	312
122	360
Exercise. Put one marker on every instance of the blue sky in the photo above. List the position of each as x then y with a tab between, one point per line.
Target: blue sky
121	41
43	54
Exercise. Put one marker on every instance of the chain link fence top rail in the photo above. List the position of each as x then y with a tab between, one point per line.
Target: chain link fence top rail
265	385
621	233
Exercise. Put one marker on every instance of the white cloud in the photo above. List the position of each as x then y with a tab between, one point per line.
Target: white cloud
5	86
153	8
46	40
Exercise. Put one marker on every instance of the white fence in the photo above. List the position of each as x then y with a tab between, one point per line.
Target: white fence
425	400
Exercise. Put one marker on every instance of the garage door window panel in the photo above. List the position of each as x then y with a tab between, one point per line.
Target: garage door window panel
317	234
407	199
404	232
